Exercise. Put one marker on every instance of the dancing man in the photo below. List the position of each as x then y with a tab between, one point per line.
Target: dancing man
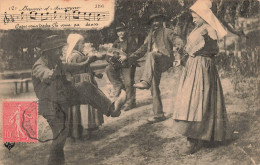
128	45
161	48
56	93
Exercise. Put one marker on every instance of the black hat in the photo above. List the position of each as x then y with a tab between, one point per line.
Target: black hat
53	42
120	27
154	16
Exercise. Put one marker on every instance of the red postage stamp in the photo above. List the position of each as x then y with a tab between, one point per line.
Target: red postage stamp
19	121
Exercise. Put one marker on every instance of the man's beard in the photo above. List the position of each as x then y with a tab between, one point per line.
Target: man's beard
122	37
155	27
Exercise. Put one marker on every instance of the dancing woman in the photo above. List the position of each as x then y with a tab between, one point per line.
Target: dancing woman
89	119
199	112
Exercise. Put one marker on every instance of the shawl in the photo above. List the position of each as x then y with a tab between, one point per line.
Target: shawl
195	40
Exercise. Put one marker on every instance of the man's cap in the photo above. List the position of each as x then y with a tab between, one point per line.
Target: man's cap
121	26
157	16
53	42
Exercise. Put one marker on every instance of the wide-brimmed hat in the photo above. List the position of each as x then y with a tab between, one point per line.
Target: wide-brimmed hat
157	16
53	42
120	27
203	9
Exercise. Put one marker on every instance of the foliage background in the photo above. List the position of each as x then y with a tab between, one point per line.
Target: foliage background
17	46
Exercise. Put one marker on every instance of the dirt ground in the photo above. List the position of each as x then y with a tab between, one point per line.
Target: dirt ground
129	139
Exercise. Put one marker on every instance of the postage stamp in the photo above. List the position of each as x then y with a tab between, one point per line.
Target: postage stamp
19	121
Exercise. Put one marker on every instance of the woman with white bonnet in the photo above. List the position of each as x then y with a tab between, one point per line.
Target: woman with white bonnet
199	111
88	118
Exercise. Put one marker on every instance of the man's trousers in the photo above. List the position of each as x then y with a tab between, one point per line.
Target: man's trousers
155	64
55	111
128	75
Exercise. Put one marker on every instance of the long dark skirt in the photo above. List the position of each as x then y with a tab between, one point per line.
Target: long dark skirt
83	117
199	110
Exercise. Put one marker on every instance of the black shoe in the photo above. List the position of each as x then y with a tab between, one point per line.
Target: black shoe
120	101
87	136
142	85
194	147
156	119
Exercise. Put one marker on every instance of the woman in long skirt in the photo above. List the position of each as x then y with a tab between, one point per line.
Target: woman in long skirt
199	111
79	118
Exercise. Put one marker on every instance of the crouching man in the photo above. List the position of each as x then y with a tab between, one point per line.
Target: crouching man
55	93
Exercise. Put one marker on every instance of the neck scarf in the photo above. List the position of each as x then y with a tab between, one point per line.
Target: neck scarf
195	40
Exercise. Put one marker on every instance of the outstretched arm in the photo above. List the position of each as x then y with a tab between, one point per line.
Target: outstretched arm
139	53
75	67
42	72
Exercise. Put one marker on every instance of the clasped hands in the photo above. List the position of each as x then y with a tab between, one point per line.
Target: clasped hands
176	63
92	57
122	58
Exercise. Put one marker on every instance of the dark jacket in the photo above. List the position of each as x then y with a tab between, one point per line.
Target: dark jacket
128	46
49	79
85	74
46	86
165	40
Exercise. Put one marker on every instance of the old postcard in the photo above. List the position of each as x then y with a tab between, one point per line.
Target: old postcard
129	82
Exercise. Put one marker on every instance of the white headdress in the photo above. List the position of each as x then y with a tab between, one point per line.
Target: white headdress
72	41
203	9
